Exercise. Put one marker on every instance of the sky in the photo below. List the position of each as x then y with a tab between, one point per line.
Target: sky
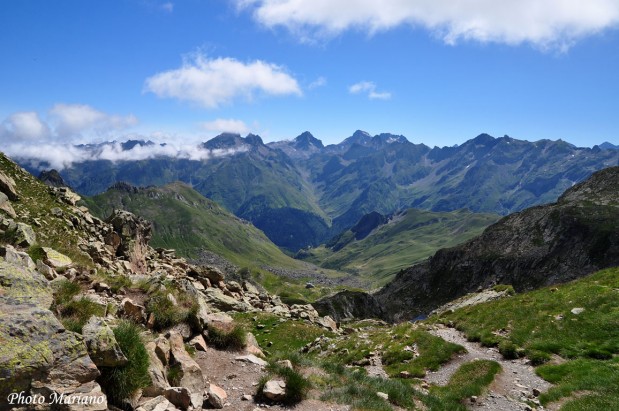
439	72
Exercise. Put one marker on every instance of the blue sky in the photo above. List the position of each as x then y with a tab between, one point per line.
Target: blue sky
435	71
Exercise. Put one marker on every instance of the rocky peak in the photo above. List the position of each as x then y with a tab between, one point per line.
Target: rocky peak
52	178
306	141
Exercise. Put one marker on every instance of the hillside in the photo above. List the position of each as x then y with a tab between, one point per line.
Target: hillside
188	222
542	245
301	193
377	247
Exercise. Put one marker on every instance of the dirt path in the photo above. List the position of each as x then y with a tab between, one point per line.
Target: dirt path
514	385
240	379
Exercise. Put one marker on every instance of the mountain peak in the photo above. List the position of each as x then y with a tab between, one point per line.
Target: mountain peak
306	140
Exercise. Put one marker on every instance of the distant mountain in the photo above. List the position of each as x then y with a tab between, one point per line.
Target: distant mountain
543	245
301	193
186	221
378	246
608	146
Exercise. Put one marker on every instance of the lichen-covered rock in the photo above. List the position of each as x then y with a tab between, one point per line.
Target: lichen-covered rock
159	403
156	370
5	205
55	259
218	300
18	258
101	343
24	235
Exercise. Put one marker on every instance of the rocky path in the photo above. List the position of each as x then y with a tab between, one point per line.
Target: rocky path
516	383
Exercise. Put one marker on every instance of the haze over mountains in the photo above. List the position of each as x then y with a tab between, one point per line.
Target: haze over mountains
302	193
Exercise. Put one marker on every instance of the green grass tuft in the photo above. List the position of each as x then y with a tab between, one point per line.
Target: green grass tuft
232	337
166	313
120	382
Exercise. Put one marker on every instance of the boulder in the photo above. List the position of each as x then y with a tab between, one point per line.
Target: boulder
190	375
252	346
24	235
327	322
252	359
7	186
18	258
133	310
101	344
198	343
162	349
5	205
218	300
46	270
216	396
157	372
55	259
274	390
159	403
179	396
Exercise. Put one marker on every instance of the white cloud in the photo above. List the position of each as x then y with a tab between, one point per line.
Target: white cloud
213	82
24	126
553	24
168	7
226	125
73	119
319	82
369	88
61	156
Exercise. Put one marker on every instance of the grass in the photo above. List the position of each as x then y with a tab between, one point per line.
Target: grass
411	237
115	281
74	313
222	336
279	337
540	324
36	252
297	386
354	387
469	380
120	382
166	313
402	348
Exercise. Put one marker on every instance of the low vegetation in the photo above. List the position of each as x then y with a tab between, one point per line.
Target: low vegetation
171	307
576	323
297	386
227	336
120	382
74	312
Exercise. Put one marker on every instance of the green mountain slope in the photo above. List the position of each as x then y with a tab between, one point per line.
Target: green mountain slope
406	238
185	220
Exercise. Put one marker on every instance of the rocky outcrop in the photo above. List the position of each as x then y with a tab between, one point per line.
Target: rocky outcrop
190	373
7	186
135	233
37	354
101	344
349	304
543	245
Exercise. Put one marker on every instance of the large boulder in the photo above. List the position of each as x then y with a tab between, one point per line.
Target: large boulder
156	370
101	343
24	235
7	186
216	299
5	205
37	355
190	375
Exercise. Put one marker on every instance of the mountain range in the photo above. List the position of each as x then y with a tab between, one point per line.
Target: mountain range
302	193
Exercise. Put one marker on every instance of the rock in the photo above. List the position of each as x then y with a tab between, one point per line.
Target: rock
216	396
162	349
183	329
250	288
101	344
252	359
285	363
405	374
55	259
218	300
157	372
536	392
24	235
6	206
327	322
309	285
46	270
577	310
133	310
198	343
18	258
7	186
135	233
252	346
179	396
247	397
274	390
190	375
382	395
159	403
473	398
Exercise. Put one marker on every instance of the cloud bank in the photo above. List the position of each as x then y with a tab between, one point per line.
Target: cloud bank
226	125
548	24
213	82
61	156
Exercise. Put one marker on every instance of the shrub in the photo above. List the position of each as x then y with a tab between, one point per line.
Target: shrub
223	336
120	382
